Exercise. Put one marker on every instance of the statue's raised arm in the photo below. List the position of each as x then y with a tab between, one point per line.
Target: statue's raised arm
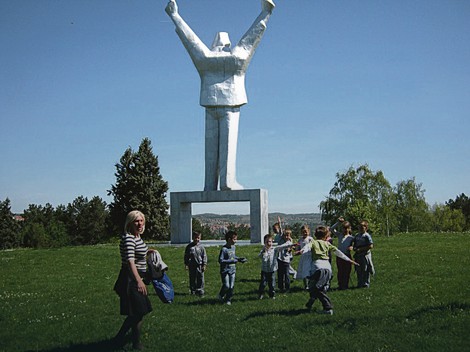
248	43
195	47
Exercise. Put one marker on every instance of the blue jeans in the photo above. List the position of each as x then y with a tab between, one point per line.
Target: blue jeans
267	279
228	283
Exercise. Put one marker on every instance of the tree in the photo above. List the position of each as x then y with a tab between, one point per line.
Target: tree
139	185
446	219
360	194
411	207
43	227
461	202
9	228
242	230
86	220
204	230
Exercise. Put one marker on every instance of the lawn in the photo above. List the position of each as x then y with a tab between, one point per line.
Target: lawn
419	300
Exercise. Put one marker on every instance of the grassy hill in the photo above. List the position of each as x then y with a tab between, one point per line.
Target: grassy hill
419	300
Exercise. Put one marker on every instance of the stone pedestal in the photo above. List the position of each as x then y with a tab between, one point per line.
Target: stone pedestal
181	211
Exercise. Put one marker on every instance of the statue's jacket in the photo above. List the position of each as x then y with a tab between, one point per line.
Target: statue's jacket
222	72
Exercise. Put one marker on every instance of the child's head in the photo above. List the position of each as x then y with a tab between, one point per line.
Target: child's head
363	226
231	237
305	231
287	235
347	230
321	232
276	227
268	240
196	237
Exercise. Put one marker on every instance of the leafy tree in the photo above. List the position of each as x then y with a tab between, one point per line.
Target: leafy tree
461	202
86	220
295	228
242	230
204	230
359	194
446	219
411	207
9	228
43	228
35	236
139	185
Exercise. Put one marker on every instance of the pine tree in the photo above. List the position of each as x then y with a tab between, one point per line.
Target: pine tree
9	229
140	186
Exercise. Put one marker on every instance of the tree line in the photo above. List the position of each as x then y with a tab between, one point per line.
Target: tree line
358	193
139	185
361	193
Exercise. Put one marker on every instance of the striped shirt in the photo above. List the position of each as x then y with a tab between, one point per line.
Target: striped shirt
132	247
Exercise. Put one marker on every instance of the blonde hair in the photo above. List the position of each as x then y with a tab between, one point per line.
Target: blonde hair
130	218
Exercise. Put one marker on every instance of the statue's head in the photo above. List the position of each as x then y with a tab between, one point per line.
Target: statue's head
221	42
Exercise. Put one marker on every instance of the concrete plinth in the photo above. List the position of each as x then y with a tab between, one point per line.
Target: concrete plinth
181	211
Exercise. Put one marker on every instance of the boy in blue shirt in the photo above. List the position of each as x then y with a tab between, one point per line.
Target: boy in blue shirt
227	261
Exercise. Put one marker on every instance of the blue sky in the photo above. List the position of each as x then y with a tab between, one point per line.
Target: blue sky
333	84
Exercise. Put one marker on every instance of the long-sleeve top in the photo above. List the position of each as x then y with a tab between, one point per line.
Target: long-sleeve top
344	242
284	254
269	256
320	250
156	265
227	259
195	255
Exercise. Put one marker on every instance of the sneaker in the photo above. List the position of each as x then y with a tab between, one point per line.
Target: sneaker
326	312
260	297
228	303
273	297
221	299
309	304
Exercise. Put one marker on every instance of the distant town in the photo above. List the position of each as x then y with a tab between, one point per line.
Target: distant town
218	223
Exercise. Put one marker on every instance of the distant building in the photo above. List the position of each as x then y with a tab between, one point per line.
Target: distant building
18	217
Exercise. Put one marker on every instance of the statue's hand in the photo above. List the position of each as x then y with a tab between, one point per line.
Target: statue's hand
171	8
267	5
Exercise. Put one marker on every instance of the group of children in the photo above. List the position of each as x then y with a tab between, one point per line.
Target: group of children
314	266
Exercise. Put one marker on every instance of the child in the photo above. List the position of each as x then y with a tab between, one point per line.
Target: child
269	265
195	260
321	269
284	257
277	230
303	248
345	240
227	261
362	245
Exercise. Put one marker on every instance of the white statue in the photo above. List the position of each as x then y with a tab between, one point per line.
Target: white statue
222	71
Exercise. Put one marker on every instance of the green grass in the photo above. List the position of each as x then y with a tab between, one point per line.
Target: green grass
419	300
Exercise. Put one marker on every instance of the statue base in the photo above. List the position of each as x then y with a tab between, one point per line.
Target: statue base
181	211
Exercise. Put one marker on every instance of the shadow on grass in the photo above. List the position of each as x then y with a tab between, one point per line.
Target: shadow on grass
453	307
287	313
99	346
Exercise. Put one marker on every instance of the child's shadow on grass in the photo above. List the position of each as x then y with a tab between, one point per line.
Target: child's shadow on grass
287	313
99	346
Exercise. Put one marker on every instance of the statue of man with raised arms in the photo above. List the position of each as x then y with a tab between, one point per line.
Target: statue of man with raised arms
222	71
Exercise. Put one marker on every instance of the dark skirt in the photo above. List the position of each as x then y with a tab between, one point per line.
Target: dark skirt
132	302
